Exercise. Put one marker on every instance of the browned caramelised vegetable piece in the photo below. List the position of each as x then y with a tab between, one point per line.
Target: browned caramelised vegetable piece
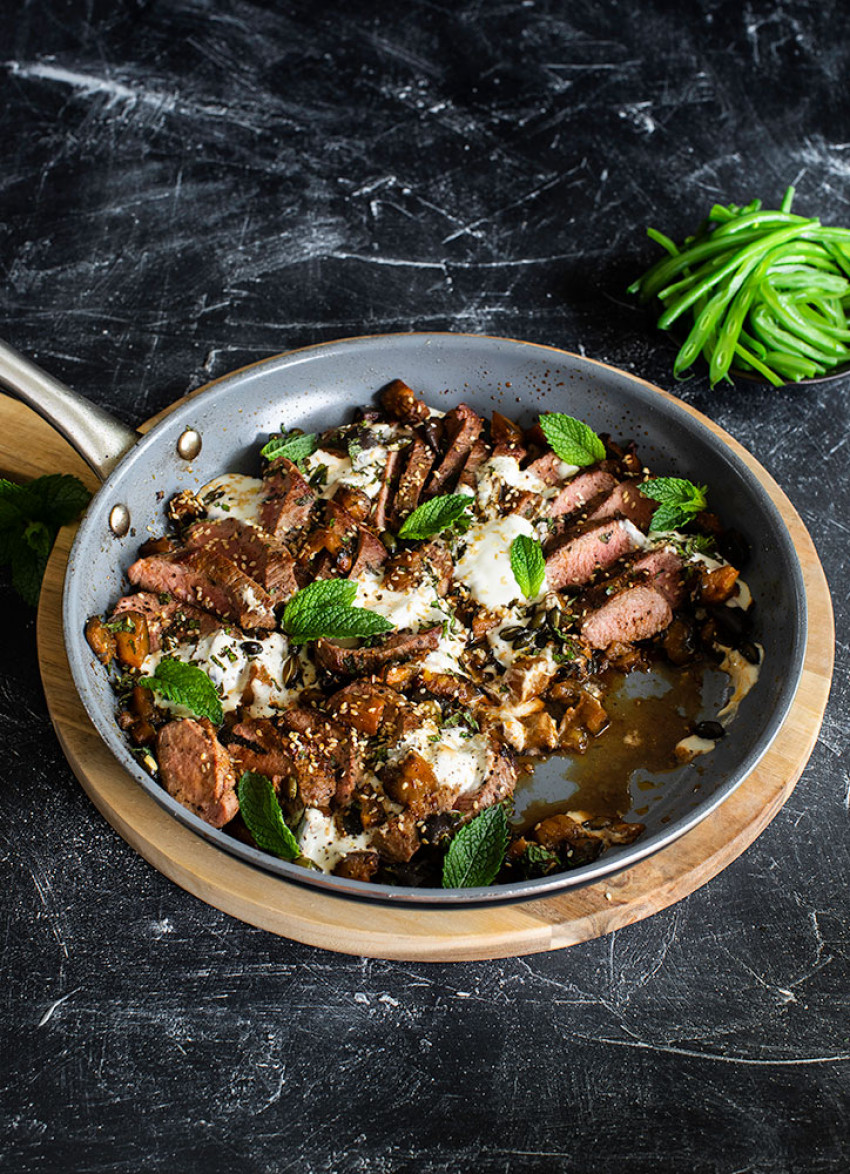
400	401
717	586
101	641
360	866
132	642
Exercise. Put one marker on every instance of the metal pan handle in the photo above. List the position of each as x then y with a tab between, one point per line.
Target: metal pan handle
99	438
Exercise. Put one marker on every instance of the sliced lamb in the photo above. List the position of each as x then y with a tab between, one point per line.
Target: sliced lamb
663	569
371	553
580	556
401	402
420	459
633	614
253	551
383	500
583	488
476	457
626	500
196	770
463	427
208	581
547	468
258	745
357	662
323	750
288	499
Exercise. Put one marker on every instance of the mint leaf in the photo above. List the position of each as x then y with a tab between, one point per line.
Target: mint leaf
680	501
319	594
263	817
295	446
28	568
572	440
30	515
436	515
187	685
322	593
56	499
667	517
674	490
324	609
477	852
336	621
528	564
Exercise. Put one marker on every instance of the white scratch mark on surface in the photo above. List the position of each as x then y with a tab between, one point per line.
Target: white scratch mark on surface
88	84
48	1014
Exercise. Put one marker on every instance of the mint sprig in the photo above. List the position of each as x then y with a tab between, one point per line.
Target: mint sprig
187	685
30	516
572	440
680	501
478	850
434	516
263	817
528	564
295	446
323	609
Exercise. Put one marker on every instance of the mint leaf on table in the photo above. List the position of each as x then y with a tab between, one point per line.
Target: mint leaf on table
60	496
30	516
572	440
187	685
263	817
324	609
295	446
528	564
680	501
477	851
436	515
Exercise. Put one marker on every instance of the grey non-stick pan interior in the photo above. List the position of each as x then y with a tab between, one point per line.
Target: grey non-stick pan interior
319	386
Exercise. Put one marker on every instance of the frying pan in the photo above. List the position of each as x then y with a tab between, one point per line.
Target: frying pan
220	429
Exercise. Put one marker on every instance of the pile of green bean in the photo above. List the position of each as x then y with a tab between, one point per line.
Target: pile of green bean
763	292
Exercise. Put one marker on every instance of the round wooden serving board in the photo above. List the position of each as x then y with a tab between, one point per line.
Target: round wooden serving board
28	447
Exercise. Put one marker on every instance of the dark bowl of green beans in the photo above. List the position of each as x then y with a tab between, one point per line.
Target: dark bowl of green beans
761	295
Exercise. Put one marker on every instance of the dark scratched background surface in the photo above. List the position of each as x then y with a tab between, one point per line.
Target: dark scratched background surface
189	186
